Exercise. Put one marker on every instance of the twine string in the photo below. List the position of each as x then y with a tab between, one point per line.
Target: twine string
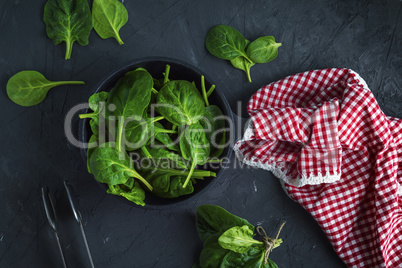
268	242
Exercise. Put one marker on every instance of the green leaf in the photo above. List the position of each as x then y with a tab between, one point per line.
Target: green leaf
238	239
128	101
97	103
68	21
113	167
194	146
263	49
226	42
28	88
90	150
108	16
253	258
180	103
134	193
212	253
243	64
214	220
214	123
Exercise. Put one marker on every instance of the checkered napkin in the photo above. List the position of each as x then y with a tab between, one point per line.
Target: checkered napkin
323	134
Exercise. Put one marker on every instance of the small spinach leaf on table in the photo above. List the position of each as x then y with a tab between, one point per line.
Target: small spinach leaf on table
68	21
130	97
263	49
28	88
180	103
113	167
108	16
226	42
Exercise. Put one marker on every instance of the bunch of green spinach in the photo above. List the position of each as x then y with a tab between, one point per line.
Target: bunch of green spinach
183	132
228	240
227	43
71	21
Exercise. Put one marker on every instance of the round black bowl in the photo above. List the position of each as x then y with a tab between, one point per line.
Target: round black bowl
178	71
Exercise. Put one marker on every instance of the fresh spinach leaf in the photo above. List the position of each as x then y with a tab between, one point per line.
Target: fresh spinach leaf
180	103
97	103
108	16
253	258
226	42
214	220
28	88
68	21
168	182
113	167
195	147
92	144
133	193
214	124
129	98
212	253
263	49
238	239
243	64
164	137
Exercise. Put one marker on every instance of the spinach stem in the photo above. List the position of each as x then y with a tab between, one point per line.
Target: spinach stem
211	89
174	127
69	48
156	119
204	92
146	152
248	74
144	181
118	38
89	115
166	77
119	133
193	164
154	91
162	130
214	161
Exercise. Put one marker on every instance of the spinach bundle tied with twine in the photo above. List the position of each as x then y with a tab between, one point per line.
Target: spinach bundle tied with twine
228	240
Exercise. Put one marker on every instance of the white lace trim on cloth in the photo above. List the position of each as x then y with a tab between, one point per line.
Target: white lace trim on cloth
279	171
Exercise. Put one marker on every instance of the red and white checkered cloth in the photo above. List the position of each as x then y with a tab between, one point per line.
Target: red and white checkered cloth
323	133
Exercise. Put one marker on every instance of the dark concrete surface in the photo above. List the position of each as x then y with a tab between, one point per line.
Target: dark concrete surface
365	36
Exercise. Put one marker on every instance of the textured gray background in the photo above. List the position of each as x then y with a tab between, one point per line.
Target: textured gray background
365	36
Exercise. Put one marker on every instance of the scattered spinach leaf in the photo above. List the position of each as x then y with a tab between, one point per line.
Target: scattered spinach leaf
108	17
28	88
263	49
226	42
68	21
